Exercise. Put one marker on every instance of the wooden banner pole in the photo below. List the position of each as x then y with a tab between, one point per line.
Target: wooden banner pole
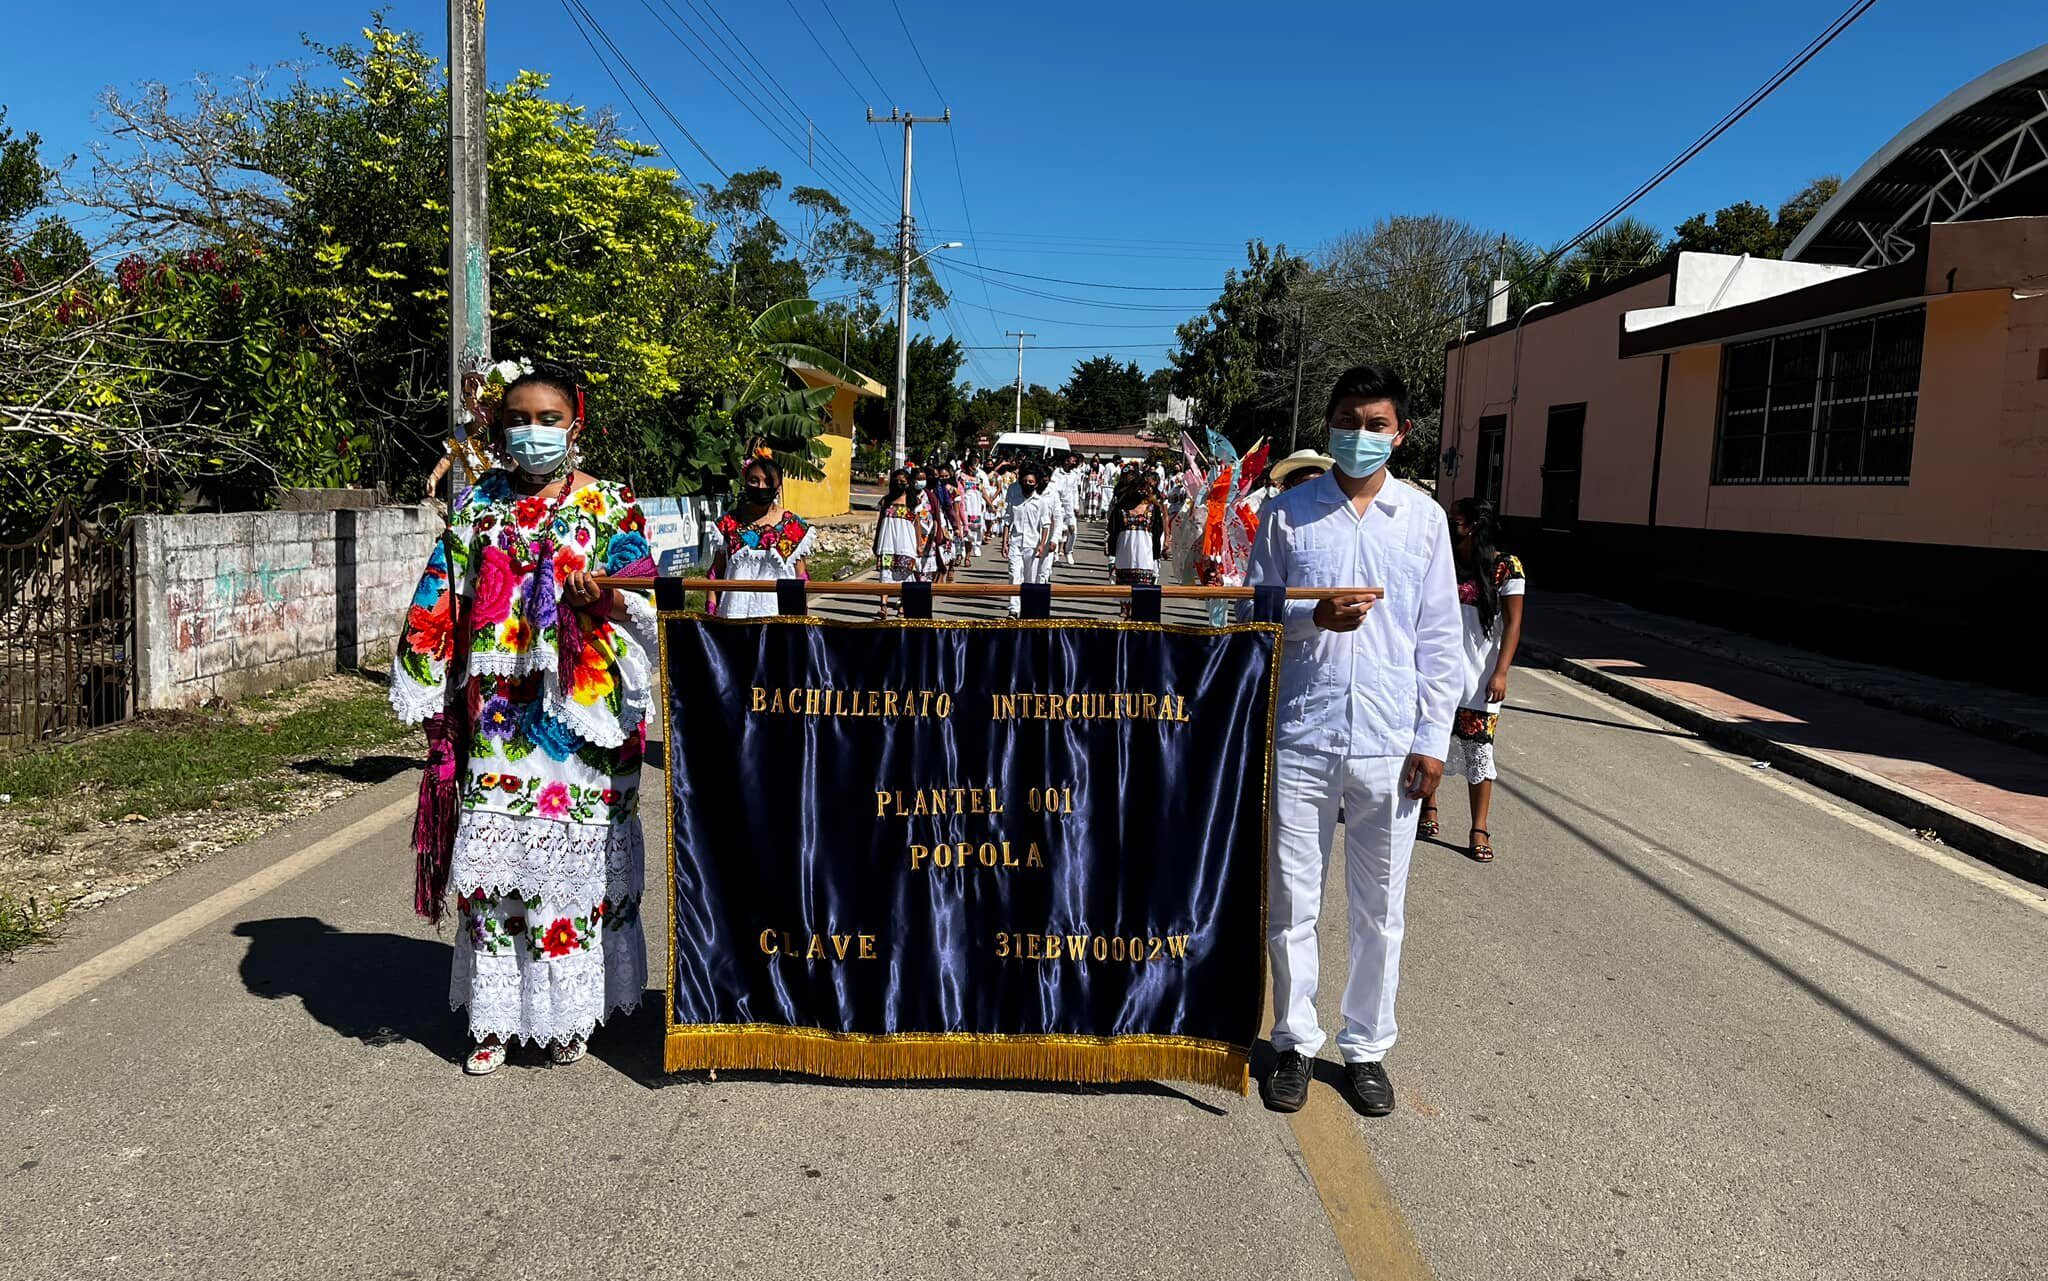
1060	591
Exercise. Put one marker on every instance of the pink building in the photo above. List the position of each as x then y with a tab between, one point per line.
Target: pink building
1848	449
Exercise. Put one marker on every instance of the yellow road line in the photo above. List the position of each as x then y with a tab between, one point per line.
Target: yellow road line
1377	1241
80	979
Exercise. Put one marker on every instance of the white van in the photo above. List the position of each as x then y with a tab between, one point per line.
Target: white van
1031	445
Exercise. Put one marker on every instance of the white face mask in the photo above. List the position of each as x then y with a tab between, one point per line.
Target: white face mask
538	449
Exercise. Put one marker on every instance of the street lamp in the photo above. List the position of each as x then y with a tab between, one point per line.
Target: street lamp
903	318
1514	393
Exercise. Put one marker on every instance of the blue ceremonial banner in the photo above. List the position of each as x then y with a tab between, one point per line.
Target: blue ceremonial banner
1028	849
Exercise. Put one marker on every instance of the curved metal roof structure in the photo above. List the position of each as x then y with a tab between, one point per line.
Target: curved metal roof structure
1981	152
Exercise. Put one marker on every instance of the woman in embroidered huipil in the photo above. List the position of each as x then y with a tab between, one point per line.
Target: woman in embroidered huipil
551	679
895	542
761	540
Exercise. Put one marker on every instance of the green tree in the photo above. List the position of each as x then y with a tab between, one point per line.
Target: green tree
768	255
773	409
1158	384
1621	248
1103	395
23	179
1228	355
990	411
1795	213
597	259
1393	293
1749	228
1043	405
936	419
1741	228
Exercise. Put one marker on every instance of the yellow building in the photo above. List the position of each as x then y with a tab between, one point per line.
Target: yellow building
833	495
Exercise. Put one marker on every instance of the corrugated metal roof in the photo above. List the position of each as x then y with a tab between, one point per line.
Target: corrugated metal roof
1985	120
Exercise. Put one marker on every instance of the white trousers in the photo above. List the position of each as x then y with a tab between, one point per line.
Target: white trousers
1027	568
1379	838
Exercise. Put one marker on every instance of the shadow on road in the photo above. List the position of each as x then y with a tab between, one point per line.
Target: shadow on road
379	989
363	769
1521	710
2019	1126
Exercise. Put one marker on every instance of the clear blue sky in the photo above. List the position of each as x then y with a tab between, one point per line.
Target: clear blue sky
1140	143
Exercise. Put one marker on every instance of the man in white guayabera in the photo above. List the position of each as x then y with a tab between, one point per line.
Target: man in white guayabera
1367	691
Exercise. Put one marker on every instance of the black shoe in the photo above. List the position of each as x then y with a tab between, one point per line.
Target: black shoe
1375	1092
1287	1083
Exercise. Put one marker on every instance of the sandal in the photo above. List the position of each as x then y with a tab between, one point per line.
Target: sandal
563	1053
1481	851
1427	825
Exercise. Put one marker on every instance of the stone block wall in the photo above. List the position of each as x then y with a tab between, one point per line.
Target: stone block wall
229	606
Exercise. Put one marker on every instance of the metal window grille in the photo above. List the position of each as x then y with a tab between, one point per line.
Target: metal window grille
1834	405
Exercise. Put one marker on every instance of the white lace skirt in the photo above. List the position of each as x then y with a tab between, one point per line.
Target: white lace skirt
548	938
1472	762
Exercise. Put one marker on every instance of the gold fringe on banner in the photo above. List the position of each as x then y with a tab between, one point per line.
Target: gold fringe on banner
957	1056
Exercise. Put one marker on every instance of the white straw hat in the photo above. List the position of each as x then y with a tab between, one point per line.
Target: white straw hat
1297	460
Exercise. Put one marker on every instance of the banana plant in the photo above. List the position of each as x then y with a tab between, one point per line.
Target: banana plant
767	408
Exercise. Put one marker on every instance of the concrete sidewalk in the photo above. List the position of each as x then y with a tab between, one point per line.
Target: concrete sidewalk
1978	789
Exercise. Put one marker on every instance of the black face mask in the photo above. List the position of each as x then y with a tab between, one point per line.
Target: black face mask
758	495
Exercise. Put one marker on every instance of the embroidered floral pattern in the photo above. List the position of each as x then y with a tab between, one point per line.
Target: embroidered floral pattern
783	536
1474	726
549	945
1505	570
532	795
561	938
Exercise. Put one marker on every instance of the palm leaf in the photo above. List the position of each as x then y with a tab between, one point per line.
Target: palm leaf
775	330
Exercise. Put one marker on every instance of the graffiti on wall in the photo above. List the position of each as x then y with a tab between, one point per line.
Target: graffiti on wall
264	600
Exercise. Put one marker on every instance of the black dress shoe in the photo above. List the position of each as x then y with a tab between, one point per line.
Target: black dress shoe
1287	1083
1375	1092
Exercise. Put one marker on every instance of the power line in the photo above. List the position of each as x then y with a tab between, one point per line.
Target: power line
915	53
826	5
740	48
1140	346
670	115
735	93
666	151
838	70
1048	296
959	176
1056	320
1827	36
627	63
1236	246
1097	284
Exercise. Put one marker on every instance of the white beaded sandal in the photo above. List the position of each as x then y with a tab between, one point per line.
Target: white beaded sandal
563	1053
485	1059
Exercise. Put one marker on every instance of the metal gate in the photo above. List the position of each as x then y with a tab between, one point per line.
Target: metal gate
67	651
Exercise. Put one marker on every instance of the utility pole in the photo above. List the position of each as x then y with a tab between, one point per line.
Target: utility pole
1020	336
904	244
469	253
1300	351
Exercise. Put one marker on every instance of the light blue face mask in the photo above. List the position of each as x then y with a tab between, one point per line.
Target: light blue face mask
1360	453
537	448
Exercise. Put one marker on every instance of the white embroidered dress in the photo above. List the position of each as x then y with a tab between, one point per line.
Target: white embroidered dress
548	867
767	551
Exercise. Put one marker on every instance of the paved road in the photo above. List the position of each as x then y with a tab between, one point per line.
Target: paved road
1697	1021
